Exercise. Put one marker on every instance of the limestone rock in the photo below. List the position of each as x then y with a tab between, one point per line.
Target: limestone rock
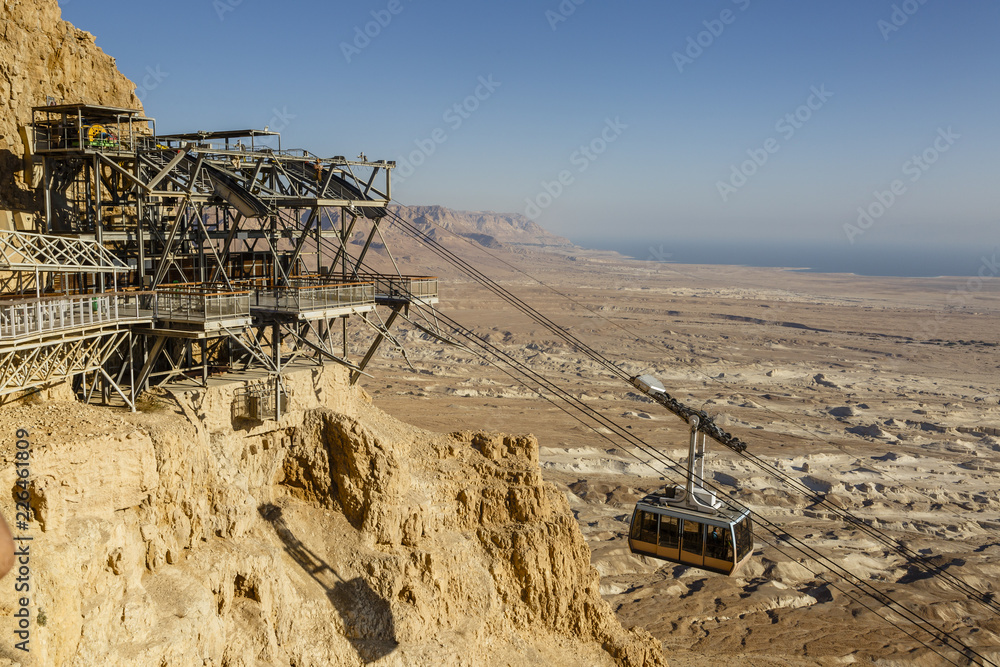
43	56
330	537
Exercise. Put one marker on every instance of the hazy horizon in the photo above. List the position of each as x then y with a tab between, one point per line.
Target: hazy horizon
904	261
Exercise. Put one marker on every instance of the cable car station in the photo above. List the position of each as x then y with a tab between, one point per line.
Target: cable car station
171	257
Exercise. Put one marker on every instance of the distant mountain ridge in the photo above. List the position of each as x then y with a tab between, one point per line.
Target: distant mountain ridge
487	228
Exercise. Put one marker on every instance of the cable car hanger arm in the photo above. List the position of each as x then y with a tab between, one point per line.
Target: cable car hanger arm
653	388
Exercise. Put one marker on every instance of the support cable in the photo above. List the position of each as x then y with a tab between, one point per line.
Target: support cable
948	639
924	563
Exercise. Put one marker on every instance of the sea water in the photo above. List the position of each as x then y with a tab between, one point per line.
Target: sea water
866	260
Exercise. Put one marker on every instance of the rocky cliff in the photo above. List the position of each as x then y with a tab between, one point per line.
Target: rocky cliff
335	536
487	228
459	231
42	56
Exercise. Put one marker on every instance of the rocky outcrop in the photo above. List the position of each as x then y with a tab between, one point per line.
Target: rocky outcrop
497	231
181	536
43	56
336	536
484	227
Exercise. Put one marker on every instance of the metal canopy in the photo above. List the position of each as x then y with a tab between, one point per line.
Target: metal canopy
226	134
23	251
91	110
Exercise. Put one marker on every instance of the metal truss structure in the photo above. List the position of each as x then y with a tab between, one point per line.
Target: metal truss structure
231	251
53	324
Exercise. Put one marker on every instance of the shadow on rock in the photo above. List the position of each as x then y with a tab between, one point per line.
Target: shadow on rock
934	567
11	195
368	622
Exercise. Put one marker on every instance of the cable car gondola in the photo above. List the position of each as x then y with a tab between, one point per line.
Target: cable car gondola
718	543
688	524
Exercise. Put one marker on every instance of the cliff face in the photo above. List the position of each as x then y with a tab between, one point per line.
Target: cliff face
41	55
337	536
485	227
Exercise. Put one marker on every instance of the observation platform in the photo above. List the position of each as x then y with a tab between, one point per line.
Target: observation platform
23	321
200	310
196	310
304	301
389	290
87	129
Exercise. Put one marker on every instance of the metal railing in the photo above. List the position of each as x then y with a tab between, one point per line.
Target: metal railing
200	302
136	305
413	287
27	317
301	297
75	133
260	401
400	288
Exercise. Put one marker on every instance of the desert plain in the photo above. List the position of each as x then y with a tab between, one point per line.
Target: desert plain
878	394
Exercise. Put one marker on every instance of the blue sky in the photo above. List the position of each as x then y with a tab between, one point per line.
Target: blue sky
666	119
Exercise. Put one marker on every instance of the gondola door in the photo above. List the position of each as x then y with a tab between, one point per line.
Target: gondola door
670	538
642	538
693	543
719	549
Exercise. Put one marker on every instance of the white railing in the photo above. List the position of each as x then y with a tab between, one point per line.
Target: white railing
389	287
298	298
187	302
27	317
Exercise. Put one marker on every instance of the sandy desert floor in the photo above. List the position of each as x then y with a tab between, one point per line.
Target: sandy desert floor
857	387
